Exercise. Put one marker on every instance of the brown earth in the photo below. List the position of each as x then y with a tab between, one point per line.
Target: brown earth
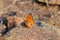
47	24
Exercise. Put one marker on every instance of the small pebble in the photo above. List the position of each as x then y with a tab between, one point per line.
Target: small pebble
12	13
39	23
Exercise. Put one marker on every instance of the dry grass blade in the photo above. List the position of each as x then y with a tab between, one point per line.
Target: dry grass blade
47	4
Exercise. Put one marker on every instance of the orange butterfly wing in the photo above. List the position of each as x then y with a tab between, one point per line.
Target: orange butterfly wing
29	20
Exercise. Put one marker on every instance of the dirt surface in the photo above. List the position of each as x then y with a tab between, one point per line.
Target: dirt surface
46	27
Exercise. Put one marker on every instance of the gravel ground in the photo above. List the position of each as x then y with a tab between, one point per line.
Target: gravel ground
35	33
46	25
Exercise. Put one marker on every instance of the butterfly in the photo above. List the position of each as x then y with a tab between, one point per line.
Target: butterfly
29	21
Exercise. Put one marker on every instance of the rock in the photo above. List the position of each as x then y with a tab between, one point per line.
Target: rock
14	20
1	36
11	21
2	27
18	20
